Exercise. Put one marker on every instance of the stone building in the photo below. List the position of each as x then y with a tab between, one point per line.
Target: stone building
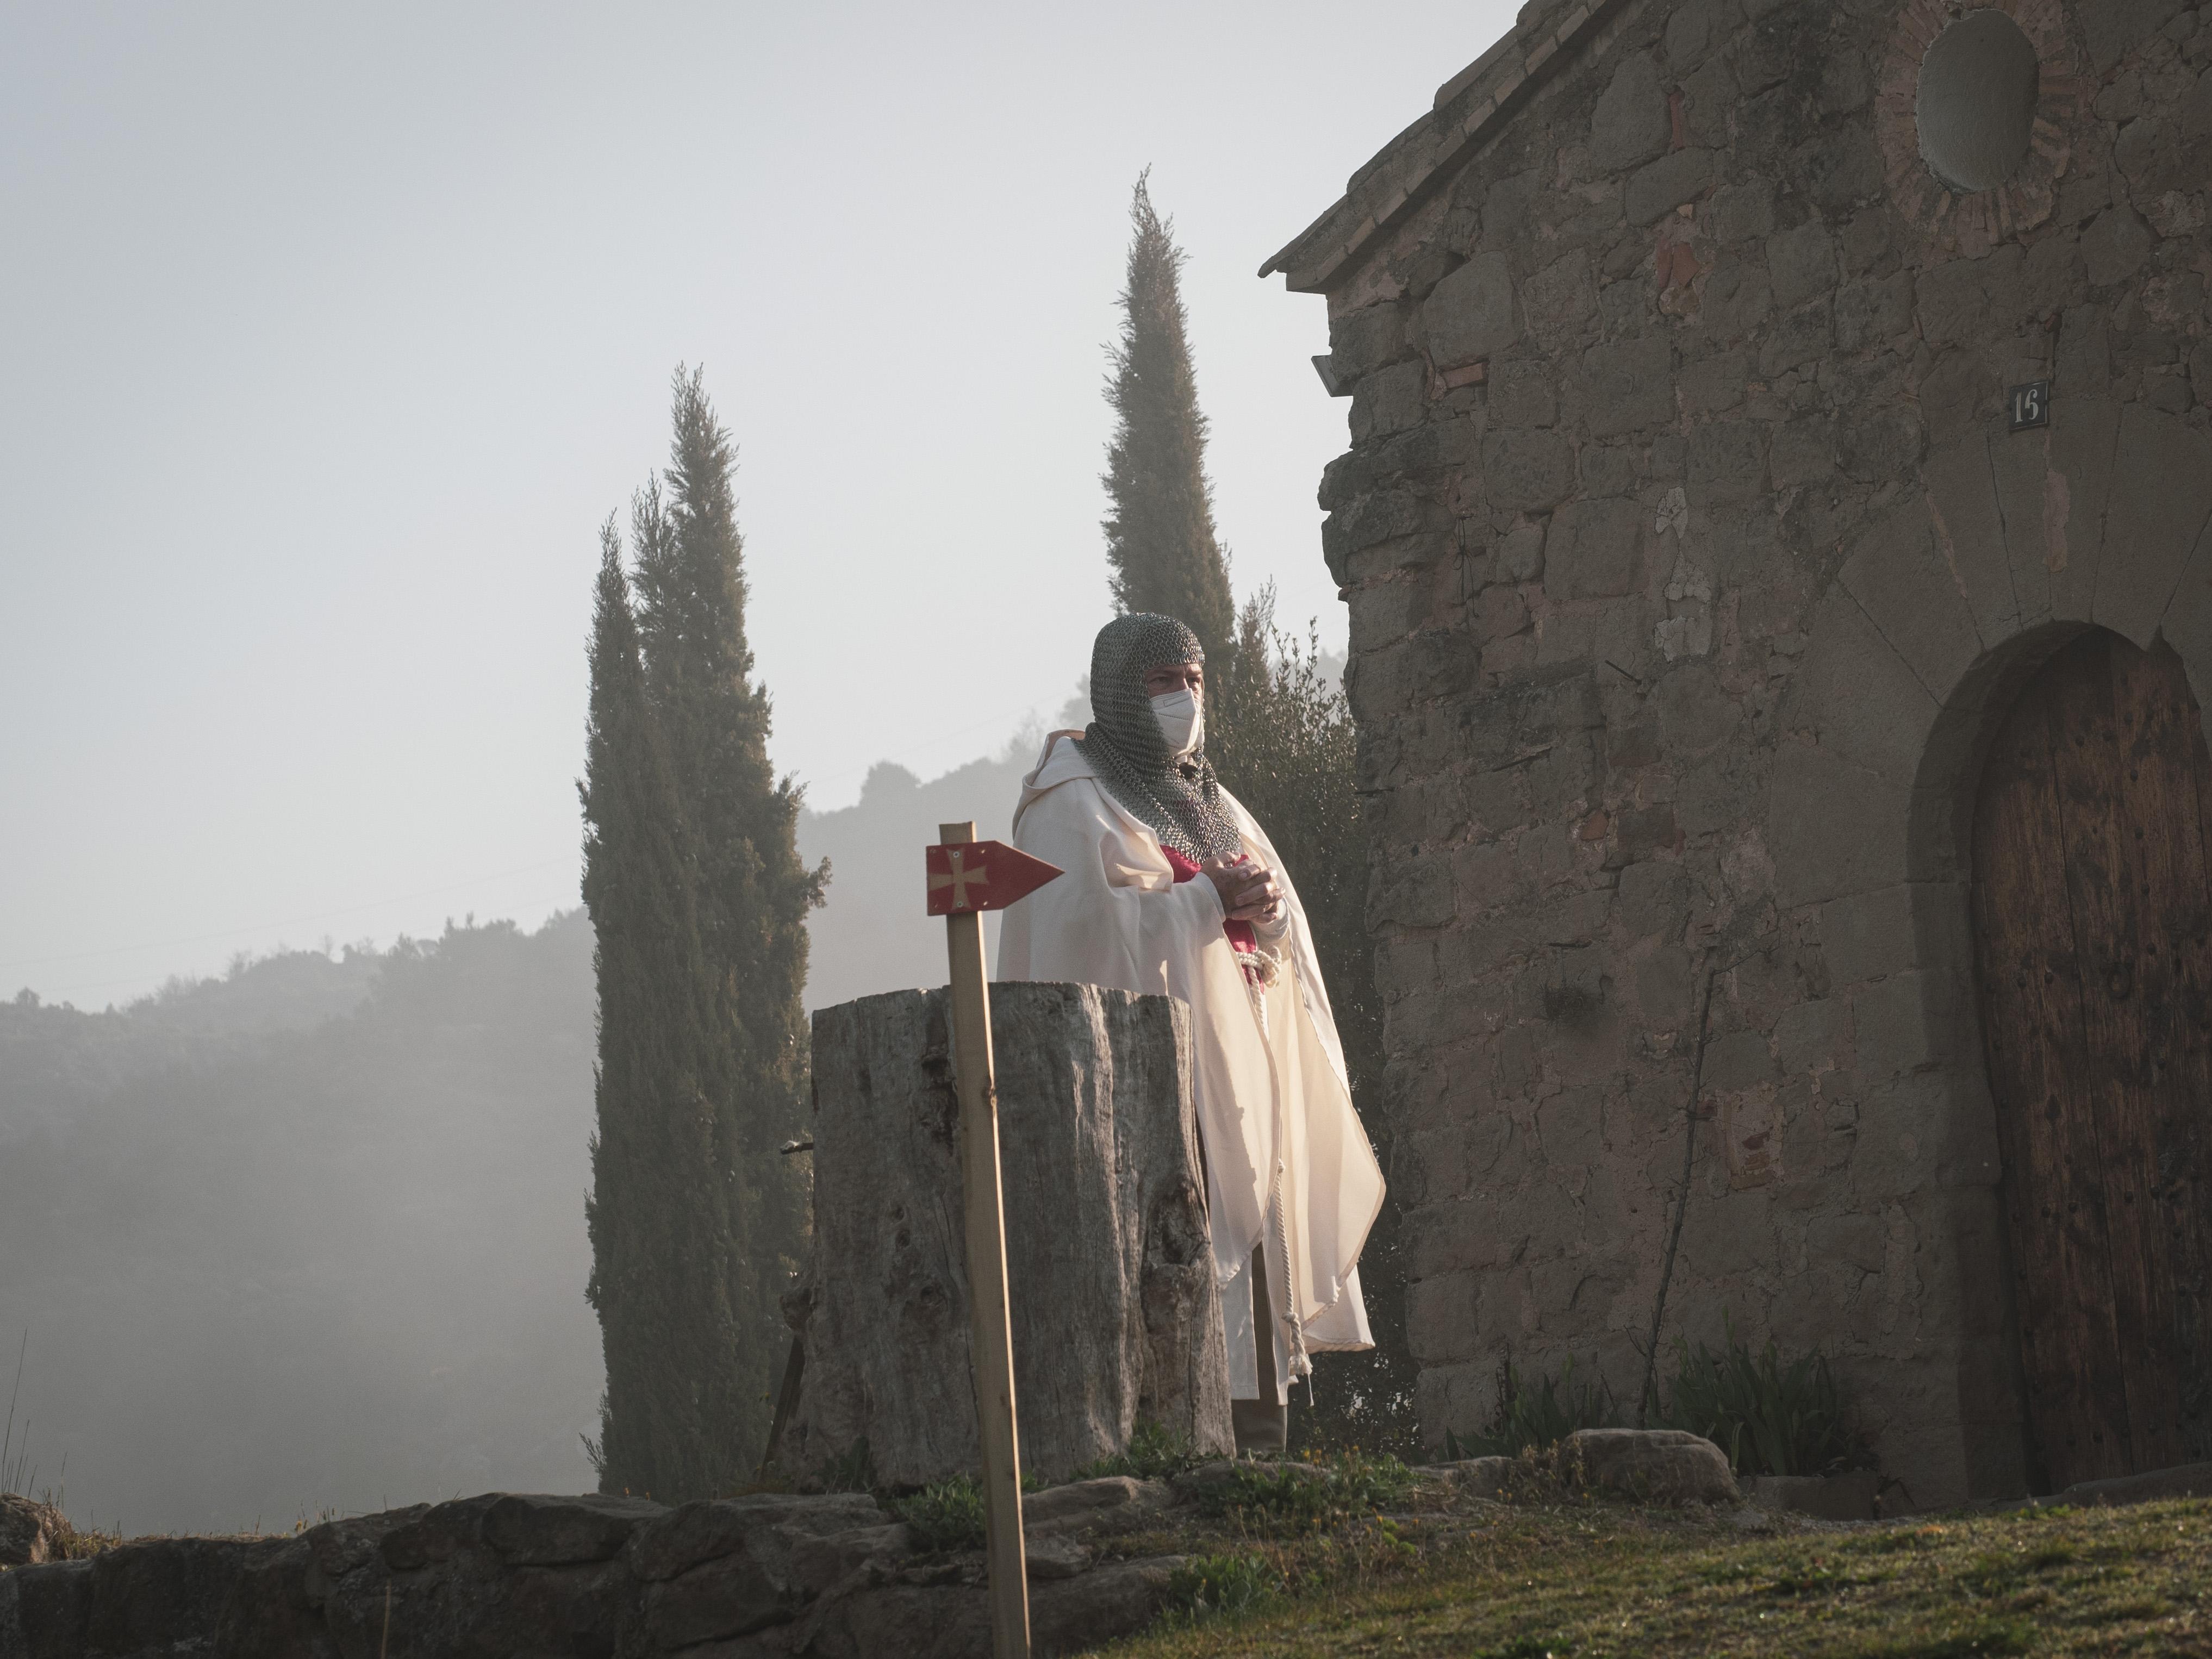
1711	623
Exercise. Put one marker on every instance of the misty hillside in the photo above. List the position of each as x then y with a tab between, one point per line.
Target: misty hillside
311	1236
873	934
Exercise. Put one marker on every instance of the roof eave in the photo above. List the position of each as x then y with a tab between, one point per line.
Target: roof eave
1468	111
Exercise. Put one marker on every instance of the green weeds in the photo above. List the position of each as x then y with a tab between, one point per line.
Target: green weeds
1770	1418
948	1514
1208	1587
1536	1416
1155	1453
1290	1500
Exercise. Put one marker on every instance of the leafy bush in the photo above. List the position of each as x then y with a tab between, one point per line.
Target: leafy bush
1279	733
1209	1586
1769	1417
1154	1452
947	1515
1536	1417
1277	1499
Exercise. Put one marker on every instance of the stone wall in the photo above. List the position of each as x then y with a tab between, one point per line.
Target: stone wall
829	1576
1687	555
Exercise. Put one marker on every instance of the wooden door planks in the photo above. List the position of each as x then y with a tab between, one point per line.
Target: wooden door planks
2034	1025
2098	777
2092	907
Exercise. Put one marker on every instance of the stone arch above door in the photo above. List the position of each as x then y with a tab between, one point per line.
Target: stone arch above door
1956	591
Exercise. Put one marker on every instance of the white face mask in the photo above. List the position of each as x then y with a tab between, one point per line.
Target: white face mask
1181	719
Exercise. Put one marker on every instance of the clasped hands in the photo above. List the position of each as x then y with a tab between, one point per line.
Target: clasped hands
1248	889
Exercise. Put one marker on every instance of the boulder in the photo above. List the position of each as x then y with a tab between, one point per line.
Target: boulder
159	1593
1112	1504
1053	1555
1649	1466
46	1609
30	1532
529	1530
1493	1477
680	1540
748	1578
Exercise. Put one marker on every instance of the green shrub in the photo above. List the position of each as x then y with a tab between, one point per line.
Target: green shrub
947	1515
1209	1586
1536	1417
1278	1499
1769	1417
1154	1452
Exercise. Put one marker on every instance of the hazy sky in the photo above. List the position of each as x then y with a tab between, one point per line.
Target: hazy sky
332	333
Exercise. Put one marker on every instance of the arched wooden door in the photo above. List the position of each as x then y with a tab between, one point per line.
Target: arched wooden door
2092	906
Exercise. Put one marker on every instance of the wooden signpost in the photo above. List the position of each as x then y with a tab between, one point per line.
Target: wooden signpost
968	877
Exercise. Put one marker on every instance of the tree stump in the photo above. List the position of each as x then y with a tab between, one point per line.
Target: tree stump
1116	1313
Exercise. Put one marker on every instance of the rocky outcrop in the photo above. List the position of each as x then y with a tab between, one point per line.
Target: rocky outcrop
1649	1466
829	1575
30	1532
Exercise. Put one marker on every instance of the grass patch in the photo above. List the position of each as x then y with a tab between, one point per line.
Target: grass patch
1209	1587
1276	1500
1154	1452
1595	1581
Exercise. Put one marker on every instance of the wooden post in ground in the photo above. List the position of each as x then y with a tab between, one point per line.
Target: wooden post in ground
992	1333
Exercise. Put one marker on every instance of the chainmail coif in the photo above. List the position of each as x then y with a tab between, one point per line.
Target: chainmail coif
1179	800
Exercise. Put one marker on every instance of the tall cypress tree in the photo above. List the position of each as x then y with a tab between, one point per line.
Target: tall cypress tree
1280	736
673	1418
1280	733
1160	545
752	891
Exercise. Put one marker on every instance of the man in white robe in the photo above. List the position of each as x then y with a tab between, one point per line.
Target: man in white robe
1171	887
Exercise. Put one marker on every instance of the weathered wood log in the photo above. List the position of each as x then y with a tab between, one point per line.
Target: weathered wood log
1115	1314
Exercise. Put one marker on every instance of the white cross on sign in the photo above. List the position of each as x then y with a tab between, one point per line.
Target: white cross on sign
959	880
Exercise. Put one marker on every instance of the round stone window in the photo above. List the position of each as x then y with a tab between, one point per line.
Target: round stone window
1976	104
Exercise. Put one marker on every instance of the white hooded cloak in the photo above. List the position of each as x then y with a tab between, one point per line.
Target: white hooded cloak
1287	1161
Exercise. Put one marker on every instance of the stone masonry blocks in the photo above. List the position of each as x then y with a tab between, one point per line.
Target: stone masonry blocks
1472	313
1909	592
2158	528
1692	559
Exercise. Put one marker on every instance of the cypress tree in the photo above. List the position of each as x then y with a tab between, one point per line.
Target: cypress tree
1285	745
1160	544
751	890
657	1213
1280	736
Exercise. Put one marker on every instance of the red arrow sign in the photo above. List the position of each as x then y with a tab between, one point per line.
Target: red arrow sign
982	875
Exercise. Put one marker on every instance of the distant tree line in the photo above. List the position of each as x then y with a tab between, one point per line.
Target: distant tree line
699	901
